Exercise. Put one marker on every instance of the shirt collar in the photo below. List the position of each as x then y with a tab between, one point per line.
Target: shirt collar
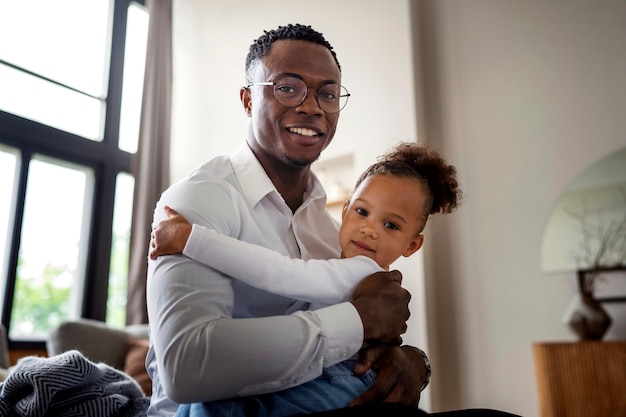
255	183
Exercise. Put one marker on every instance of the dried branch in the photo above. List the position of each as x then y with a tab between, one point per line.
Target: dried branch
611	243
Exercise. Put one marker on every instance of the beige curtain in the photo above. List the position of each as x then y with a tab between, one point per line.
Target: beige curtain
151	163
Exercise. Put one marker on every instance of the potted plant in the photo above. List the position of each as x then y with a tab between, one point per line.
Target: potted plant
602	249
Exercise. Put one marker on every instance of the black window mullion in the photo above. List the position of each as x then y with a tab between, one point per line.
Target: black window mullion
98	265
16	236
116	72
22	133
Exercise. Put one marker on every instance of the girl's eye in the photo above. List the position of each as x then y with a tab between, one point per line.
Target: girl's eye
361	211
392	226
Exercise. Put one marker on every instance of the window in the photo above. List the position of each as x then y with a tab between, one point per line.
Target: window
69	70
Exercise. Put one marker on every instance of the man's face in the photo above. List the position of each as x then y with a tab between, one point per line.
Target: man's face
383	219
292	136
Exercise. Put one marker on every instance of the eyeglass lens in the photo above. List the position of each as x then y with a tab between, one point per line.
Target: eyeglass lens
291	92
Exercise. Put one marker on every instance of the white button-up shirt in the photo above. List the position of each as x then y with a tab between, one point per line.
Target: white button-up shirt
213	337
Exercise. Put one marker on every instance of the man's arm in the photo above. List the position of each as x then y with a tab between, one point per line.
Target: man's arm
204	354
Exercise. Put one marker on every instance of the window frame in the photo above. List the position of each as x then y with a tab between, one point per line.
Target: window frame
104	157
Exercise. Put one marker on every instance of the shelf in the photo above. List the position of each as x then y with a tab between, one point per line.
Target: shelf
337	177
583	379
335	203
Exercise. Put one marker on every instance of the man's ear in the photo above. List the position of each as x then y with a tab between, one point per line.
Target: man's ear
414	246
246	100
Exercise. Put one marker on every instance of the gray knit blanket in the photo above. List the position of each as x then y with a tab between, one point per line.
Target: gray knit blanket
69	385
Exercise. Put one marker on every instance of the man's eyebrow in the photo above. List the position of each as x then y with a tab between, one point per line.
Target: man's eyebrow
291	74
298	76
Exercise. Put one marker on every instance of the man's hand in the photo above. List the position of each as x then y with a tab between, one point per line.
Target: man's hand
401	373
170	236
383	306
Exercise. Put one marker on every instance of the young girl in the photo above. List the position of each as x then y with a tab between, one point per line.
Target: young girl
382	220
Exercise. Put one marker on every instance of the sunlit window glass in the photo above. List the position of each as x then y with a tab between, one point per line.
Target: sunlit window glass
53	247
134	66
55	56
8	164
63	40
120	250
44	102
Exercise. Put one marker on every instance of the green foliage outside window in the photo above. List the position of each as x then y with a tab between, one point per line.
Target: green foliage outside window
118	281
40	303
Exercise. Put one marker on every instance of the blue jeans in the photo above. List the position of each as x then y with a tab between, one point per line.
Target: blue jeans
335	388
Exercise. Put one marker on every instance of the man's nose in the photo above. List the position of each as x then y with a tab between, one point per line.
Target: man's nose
310	105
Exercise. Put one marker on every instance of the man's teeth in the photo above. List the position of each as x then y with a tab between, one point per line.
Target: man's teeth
303	131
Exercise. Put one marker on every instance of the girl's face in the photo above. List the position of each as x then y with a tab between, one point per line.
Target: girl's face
383	219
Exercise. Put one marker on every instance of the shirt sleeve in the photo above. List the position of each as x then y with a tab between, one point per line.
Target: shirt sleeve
203	354
318	281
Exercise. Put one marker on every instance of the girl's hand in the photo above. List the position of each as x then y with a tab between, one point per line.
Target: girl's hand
170	236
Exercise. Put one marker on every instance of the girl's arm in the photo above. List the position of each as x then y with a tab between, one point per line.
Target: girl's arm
315	281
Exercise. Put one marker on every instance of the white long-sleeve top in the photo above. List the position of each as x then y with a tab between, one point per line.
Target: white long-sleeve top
213	337
321	282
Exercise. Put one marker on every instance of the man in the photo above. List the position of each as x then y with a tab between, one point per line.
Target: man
213	338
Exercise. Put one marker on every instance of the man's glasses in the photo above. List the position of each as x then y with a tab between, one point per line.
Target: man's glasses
291	92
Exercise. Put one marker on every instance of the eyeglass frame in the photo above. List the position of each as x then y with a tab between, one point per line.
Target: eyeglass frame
306	93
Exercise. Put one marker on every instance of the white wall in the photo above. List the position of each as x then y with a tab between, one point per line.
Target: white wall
521	95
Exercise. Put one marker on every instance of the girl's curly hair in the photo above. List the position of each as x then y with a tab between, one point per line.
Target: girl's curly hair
413	160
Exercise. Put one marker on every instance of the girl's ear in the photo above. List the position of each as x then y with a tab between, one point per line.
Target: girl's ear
246	100
414	246
344	210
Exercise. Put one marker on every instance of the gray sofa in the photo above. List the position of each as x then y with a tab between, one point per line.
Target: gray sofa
4	353
124	349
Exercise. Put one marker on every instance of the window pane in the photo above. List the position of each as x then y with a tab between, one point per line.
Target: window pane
44	102
120	250
52	255
63	40
8	177
134	66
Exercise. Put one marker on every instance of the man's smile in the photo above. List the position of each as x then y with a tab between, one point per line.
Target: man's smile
303	131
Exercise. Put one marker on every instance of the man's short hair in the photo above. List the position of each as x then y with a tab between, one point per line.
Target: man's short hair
262	46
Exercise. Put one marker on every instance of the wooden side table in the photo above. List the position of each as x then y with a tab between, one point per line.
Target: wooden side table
582	379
